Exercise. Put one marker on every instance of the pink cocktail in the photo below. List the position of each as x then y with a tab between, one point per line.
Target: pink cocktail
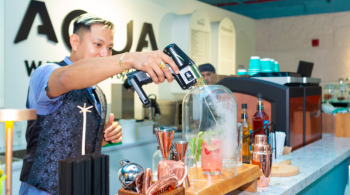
211	155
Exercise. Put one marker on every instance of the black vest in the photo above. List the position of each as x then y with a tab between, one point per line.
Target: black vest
58	136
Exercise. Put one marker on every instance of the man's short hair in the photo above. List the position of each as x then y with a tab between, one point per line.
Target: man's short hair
84	22
206	67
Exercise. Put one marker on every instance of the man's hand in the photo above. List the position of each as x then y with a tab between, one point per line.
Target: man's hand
149	62
113	131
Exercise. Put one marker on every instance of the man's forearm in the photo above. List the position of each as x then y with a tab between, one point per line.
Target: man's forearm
83	73
88	72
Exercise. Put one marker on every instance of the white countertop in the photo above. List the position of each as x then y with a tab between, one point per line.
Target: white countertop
141	141
313	160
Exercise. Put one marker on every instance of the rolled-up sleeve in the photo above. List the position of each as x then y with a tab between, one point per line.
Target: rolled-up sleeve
37	97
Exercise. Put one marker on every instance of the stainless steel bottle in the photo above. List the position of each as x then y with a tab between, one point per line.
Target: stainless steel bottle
262	156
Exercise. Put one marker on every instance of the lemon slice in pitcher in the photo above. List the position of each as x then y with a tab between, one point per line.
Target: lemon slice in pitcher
211	148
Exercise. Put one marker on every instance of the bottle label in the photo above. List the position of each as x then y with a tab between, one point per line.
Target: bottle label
260	107
251	138
244	116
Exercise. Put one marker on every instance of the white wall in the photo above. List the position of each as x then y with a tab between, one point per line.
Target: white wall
215	14
38	48
241	23
288	40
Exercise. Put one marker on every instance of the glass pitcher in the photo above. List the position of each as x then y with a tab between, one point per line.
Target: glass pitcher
211	110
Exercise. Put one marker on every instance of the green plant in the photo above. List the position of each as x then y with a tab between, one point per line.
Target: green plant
193	145
2	178
1	171
200	141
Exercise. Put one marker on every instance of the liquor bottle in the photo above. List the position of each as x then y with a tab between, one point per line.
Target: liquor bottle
245	130
260	117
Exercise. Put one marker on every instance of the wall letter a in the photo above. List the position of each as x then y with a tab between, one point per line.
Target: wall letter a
27	22
146	29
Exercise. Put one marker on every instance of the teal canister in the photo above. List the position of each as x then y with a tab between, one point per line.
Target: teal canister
266	65
277	66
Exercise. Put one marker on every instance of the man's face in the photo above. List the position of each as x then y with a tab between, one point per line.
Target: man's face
98	42
207	76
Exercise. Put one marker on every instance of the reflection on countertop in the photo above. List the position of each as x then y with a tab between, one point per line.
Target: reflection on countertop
139	142
314	160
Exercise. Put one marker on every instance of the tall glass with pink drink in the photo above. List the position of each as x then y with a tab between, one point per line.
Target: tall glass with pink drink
211	154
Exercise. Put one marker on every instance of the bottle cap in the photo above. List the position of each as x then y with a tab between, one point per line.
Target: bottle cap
244	105
157	147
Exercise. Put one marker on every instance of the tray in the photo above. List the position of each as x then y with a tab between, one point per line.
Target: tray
245	180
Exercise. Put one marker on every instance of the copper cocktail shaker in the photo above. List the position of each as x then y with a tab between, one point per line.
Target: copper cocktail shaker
262	156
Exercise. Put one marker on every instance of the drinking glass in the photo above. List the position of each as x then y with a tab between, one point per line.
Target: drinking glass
211	154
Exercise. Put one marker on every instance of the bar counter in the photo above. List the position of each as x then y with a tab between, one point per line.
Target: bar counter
323	166
141	151
323	169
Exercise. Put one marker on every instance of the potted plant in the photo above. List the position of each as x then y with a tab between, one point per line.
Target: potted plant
2	178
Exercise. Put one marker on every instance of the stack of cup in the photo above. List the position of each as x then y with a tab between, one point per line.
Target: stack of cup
241	72
272	64
266	65
254	65
277	67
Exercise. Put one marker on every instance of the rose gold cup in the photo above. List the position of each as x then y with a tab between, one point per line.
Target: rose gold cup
164	138
181	149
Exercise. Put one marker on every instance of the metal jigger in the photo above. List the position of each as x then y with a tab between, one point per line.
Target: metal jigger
181	149
164	138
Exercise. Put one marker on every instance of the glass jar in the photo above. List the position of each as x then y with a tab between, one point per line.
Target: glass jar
211	154
328	92
157	156
211	110
341	92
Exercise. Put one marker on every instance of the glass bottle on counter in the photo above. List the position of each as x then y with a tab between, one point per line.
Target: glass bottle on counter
157	156
260	117
245	130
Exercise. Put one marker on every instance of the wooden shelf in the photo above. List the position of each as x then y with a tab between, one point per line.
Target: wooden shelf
245	180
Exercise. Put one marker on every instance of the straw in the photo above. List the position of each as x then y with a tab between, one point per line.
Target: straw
280	140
